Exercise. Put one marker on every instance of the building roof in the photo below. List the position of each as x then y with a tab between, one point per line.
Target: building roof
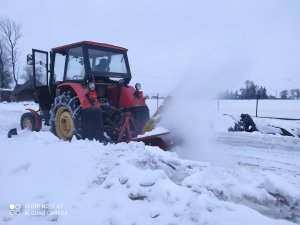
28	86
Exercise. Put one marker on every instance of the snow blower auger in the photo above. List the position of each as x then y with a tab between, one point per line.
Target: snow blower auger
84	92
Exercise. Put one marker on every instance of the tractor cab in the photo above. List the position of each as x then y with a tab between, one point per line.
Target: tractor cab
81	62
89	61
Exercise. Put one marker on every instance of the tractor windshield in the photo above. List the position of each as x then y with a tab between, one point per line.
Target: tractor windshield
105	61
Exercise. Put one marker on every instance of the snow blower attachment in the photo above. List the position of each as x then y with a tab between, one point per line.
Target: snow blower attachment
153	134
84	92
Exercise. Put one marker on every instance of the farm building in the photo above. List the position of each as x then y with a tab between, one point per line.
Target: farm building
5	94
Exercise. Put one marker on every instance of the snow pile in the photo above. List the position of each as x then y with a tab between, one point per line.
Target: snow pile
291	126
120	184
269	195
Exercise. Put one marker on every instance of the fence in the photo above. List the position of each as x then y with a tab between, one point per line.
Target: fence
269	108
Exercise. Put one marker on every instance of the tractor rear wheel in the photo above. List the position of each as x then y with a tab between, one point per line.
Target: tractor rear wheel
66	117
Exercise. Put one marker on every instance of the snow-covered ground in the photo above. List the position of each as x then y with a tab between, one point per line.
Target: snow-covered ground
85	182
266	108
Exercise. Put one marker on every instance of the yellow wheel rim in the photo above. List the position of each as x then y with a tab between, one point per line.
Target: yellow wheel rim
27	124
64	124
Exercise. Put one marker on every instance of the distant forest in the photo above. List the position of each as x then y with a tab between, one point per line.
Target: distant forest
253	91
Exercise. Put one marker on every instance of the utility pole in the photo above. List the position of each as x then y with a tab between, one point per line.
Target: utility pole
256	104
157	97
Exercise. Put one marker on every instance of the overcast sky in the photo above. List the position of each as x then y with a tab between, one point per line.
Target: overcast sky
220	42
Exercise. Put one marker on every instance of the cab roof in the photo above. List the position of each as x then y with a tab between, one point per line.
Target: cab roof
91	43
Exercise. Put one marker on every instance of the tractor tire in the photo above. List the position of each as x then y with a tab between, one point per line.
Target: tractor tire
28	122
65	117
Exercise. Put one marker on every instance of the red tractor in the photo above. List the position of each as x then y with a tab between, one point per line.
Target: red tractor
84	92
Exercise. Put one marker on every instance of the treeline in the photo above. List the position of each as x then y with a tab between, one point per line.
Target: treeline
290	94
253	91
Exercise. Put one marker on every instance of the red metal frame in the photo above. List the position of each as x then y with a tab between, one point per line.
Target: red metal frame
130	125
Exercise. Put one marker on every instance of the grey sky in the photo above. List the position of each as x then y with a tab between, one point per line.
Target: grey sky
220	42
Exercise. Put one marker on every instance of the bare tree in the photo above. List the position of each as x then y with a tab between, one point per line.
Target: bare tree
295	93
5	76
284	94
11	33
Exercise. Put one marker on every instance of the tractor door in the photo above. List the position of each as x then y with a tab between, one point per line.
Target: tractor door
39	61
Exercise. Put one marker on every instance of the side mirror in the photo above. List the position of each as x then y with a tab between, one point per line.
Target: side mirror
29	60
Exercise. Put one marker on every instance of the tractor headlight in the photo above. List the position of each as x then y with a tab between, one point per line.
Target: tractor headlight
138	86
91	86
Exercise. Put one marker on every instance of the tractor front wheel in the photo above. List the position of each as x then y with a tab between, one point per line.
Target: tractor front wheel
64	124
28	122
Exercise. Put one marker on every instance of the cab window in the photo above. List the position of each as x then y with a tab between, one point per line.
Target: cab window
105	61
59	67
75	65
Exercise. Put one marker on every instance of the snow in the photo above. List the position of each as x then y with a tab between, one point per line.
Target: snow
272	126
266	108
155	131
136	184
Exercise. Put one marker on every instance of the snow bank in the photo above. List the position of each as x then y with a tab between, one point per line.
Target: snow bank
269	195
122	184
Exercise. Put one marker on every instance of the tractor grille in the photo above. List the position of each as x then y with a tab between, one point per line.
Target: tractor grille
104	102
101	91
